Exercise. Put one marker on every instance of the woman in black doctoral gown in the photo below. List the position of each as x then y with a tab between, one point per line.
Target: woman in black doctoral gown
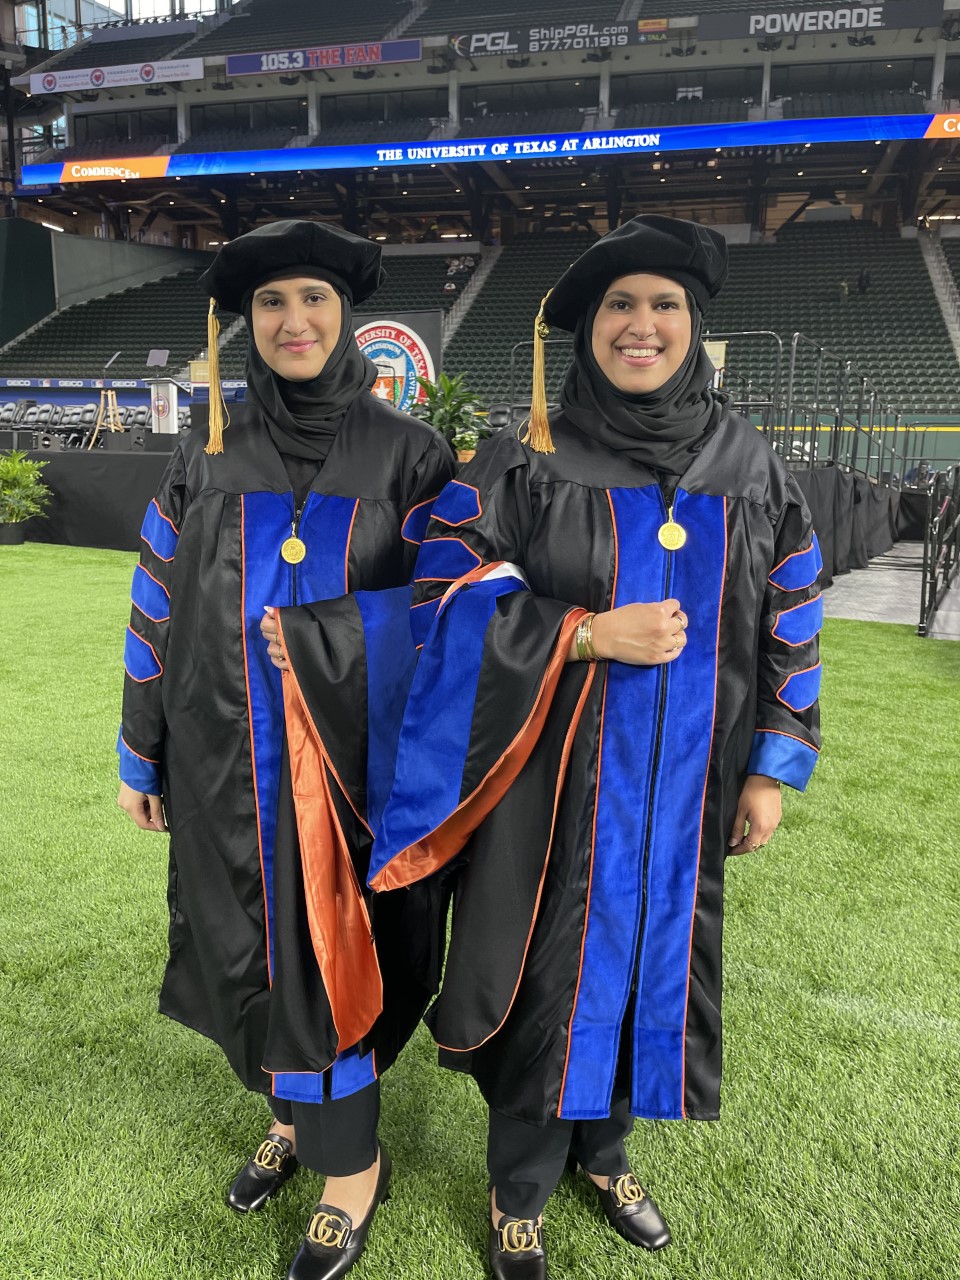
619	619
322	491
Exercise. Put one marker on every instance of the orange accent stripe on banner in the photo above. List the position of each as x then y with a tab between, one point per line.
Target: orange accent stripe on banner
113	169
944	126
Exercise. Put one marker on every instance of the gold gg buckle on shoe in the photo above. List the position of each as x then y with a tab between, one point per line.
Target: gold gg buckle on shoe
520	1236
626	1190
270	1156
328	1230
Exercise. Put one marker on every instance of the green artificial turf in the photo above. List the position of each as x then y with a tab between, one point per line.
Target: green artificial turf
837	1154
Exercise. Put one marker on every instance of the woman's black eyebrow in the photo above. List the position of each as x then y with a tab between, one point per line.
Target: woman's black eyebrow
275	293
670	294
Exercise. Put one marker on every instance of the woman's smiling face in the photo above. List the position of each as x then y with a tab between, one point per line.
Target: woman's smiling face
641	332
296	325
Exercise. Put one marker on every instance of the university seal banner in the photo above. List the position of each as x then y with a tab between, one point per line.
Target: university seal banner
404	346
849	19
108	77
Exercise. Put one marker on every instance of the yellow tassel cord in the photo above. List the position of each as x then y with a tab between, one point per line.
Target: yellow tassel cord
538	428
219	417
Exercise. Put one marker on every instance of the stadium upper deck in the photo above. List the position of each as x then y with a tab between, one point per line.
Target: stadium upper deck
260	124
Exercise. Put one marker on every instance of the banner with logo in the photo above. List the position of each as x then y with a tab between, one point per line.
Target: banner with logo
708	137
845	19
560	37
404	346
109	77
363	54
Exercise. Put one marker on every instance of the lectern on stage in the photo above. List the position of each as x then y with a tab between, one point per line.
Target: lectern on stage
164	396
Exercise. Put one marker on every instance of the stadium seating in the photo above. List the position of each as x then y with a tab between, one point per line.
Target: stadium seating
104	148
237	140
265	25
549	120
359	132
874	102
451	17
116	53
503	315
894	332
416	283
686	111
78	342
951	251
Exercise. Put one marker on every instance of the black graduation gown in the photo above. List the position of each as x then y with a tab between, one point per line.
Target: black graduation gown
592	802
203	724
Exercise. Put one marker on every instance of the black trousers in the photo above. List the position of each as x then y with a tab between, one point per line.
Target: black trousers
336	1137
525	1161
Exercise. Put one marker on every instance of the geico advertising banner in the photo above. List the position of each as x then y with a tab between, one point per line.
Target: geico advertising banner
750	133
362	54
108	77
846	19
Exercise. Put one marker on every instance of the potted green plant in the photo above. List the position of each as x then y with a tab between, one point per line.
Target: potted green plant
22	494
451	408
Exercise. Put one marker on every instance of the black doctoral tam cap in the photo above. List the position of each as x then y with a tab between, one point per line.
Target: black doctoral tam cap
692	255
350	262
283	248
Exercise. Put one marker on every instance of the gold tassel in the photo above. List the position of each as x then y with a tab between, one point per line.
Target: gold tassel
219	416
538	435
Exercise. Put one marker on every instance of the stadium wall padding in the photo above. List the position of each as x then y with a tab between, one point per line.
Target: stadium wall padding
26	276
86	267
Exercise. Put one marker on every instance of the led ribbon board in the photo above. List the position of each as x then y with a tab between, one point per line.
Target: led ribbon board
751	133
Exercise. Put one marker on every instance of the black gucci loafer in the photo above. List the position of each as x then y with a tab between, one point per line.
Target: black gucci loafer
632	1213
263	1175
332	1244
516	1250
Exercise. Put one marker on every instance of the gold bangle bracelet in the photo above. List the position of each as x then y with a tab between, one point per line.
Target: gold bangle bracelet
586	651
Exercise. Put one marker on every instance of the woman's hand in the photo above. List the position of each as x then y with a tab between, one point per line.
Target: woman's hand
643	635
145	810
760	809
271	633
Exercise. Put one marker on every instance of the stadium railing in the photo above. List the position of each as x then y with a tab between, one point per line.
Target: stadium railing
941	545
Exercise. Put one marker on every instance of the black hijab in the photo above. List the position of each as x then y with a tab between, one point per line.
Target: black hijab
663	429
303	418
